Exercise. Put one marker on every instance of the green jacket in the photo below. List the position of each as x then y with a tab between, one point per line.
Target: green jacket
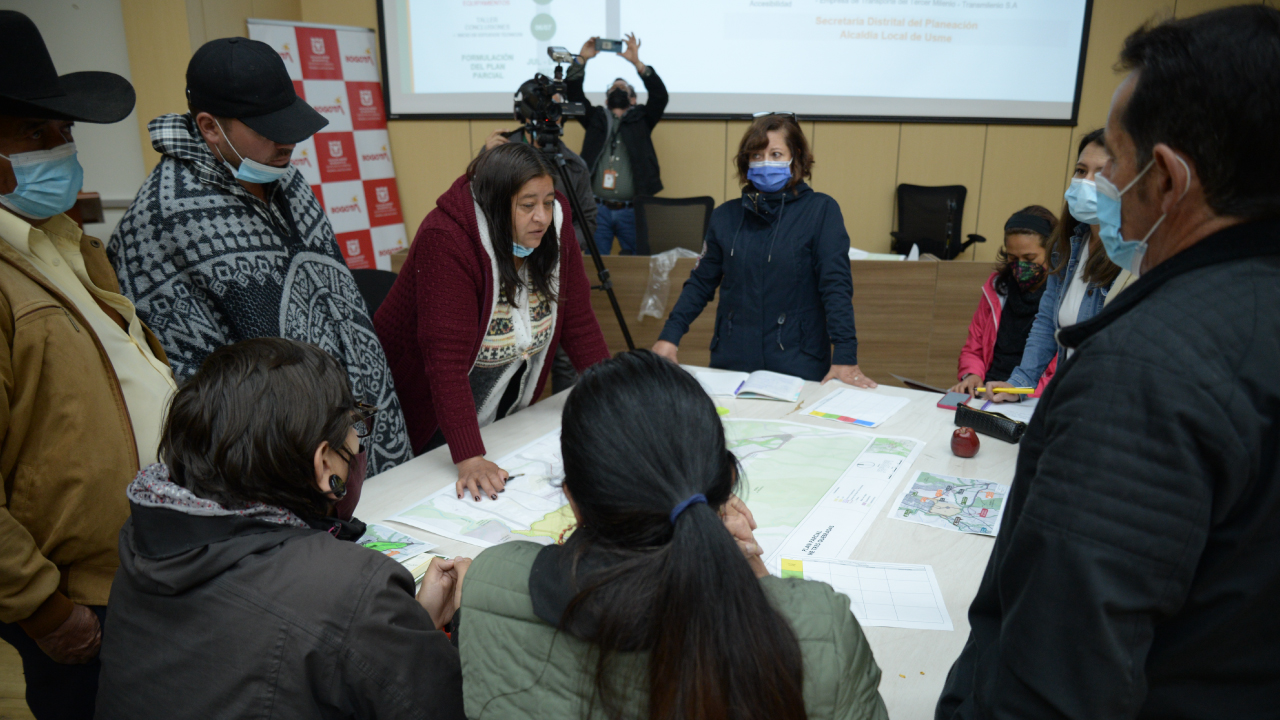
515	665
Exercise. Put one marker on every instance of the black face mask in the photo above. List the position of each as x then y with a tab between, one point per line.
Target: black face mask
618	99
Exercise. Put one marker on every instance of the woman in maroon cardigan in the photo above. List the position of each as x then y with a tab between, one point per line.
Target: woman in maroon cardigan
493	284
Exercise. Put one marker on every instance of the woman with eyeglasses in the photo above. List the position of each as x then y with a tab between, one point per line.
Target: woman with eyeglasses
240	593
780	257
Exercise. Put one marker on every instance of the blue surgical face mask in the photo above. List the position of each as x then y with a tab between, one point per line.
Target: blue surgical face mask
769	175
251	170
1127	254
1082	200
48	181
521	251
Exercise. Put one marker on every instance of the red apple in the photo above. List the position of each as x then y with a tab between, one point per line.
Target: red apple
964	442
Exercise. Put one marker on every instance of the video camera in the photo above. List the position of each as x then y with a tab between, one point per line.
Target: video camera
536	105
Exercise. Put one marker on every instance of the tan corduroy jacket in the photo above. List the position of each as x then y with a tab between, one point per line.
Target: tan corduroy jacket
66	447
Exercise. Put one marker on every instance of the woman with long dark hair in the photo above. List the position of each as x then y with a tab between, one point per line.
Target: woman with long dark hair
239	593
493	284
1080	273
649	609
1009	304
780	258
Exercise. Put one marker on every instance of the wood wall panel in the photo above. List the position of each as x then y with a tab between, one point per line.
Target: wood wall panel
1022	166
691	157
428	158
159	48
959	290
857	164
893	310
945	155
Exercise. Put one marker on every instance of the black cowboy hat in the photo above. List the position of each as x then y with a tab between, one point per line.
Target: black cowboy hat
31	87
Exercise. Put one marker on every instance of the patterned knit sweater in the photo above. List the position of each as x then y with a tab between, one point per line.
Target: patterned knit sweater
208	264
433	322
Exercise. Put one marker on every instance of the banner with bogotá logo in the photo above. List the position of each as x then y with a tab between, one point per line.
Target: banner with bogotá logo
348	164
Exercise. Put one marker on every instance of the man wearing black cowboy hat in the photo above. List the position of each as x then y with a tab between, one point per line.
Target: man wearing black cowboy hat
226	240
83	383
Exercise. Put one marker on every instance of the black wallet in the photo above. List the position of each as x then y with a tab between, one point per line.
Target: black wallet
990	423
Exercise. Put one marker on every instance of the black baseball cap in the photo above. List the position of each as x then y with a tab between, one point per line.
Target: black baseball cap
246	79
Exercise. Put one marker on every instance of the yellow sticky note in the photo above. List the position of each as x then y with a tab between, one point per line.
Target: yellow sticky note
792	568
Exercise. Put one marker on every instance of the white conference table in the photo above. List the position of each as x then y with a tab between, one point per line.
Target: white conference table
914	662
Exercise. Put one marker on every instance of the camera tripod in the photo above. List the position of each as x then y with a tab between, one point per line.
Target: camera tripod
551	146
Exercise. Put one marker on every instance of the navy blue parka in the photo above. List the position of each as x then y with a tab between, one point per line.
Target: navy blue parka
781	261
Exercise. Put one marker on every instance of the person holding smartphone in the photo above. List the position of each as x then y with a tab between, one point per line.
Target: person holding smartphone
618	147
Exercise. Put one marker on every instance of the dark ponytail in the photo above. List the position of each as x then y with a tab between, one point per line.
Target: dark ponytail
639	437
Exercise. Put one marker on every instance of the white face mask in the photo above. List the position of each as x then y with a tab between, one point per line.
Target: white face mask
251	170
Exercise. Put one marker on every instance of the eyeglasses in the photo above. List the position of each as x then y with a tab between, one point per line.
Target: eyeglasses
364	414
767	113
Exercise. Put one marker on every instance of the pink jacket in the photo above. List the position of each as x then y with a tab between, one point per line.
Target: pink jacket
975	356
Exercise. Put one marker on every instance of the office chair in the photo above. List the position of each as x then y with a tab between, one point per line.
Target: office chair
931	217
374	286
666	223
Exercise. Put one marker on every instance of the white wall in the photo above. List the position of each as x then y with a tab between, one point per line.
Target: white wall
89	35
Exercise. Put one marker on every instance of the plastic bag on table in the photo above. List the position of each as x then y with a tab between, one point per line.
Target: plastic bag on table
654	302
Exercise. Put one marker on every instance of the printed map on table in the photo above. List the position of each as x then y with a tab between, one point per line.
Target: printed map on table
394	544
796	477
952	503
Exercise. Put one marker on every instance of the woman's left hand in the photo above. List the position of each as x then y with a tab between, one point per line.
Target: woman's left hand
739	522
849	375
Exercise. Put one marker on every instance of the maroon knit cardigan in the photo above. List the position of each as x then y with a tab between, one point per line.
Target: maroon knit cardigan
434	320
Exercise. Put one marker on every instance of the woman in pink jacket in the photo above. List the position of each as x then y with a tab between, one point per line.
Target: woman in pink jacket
1010	300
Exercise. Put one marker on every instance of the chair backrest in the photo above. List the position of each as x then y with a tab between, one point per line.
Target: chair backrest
374	286
666	223
931	217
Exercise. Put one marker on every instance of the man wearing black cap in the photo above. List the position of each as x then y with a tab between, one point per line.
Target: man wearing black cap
83	383
226	241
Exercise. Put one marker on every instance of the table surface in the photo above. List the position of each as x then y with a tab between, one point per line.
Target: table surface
914	662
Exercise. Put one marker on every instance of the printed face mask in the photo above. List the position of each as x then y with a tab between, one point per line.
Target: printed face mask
1082	200
1027	273
1127	254
251	170
769	175
48	181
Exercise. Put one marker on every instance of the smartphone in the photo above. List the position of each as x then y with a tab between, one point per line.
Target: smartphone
951	400
613	46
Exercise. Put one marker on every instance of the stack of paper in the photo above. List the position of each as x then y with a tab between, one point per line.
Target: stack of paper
880	594
858	407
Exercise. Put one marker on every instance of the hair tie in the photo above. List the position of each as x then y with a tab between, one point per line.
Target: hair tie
691	500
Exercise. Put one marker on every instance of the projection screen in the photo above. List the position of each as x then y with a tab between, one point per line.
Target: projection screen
936	60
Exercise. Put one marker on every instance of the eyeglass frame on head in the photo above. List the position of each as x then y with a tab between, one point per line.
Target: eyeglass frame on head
783	113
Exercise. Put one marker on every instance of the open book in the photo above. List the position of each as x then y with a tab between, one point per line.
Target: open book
761	384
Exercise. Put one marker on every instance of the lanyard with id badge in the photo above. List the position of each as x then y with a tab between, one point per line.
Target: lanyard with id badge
609	181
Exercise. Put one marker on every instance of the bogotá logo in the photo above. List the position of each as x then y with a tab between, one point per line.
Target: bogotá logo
335	148
285	54
302	159
543	26
353	247
336	107
317	45
376	156
366	58
353	207
366	97
384	194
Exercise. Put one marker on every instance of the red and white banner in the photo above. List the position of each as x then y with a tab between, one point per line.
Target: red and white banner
348	164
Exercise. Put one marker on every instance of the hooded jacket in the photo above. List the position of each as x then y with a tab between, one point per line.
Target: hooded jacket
980	346
519	665
637	128
434	320
1138	562
208	264
781	261
253	613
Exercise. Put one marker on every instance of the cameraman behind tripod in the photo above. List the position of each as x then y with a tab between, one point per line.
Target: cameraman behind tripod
584	223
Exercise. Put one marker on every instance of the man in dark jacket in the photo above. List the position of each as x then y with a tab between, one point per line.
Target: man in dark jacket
1138	563
618	147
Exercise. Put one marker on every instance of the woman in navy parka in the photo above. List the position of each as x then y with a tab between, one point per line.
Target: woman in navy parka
780	256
